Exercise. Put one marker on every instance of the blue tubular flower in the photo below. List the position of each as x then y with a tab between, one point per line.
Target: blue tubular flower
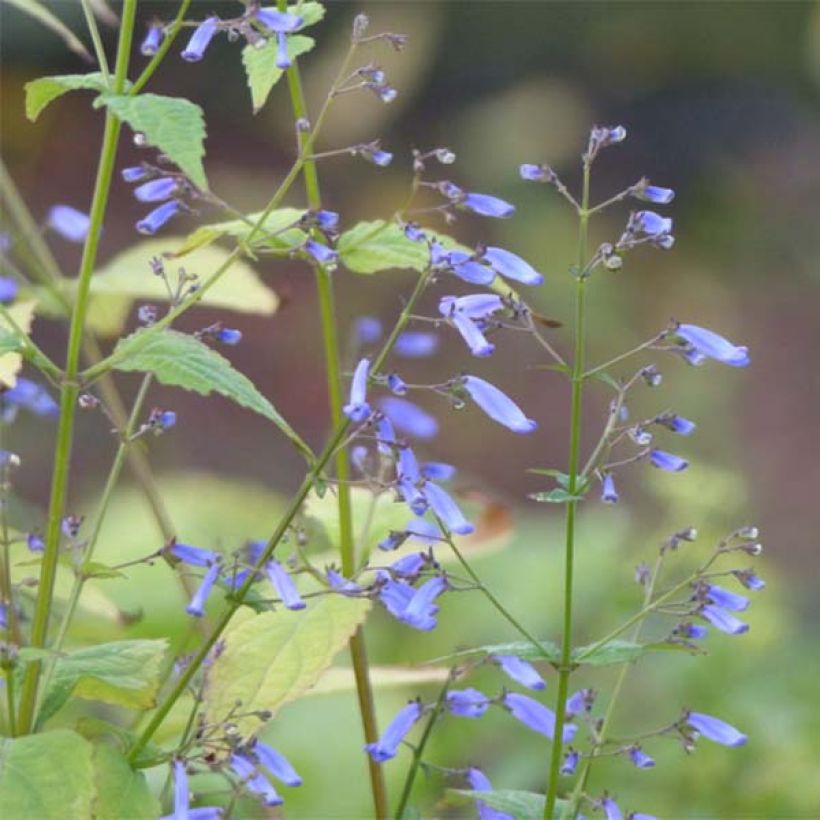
387	745
415	344
714	729
425	531
386	435
153	39
713	346
536	716
395	596
228	336
321	253
30	396
154	220
200	39
255	781
167	419
486	205
327	221
653	193
652	224
283	60
134	174
447	510
608	492
520	671
357	409
409	566
726	599
368	329
278	21
195	556
640	759
677	424
497	405
468	703
474	306
438	471
479	782
70	223
723	621
667	461
749	579
35	542
340	583
396	384
695	632
8	289
421	611
535	173
409	417
465	267
475	339
511	266
197	605
283	584
181	791
276	763
611	809
156	190
578	702
570	764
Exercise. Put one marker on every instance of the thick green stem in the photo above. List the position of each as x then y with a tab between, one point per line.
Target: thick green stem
330	336
70	387
577	380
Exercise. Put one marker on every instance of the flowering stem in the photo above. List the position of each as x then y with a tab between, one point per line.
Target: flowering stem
577	381
653	341
324	288
70	386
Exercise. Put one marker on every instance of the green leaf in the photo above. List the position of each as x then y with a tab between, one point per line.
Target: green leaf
310	12
279	222
272	658
524	649
96	569
11	360
174	125
40	92
122	673
370	247
556	496
617	651
603	376
520	804
121	792
181	360
48	776
260	65
10	341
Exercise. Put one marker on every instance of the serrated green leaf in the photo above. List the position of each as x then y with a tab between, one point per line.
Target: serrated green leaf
272	658
520	804
555	496
618	651
260	65
181	360
123	673
277	231
174	125
524	649
121	792
370	247
47	776
310	12
44	90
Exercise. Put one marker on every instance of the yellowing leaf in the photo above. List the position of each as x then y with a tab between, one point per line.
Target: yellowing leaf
10	363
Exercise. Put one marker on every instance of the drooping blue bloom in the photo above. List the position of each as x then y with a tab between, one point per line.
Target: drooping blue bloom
357	409
611	809
464	266
153	39
35	542
368	329
200	39
749	579
30	396
276	763
723	620
321	253
713	346
536	716
195	556
497	405
578	702
167	419
283	584
474	306
197	605
536	173
640	758
475	339
416	344
393	540
278	21
608	135
486	205
512	266
425	531
667	461
413	231
608	492
8	289
479	782
409	566
467	702
156	190
409	417
388	744
283	60
727	599
652	224
421	610
438	471
694	632
677	424
408	465
135	173
254	780
154	220
181	791
228	336
520	671
715	729
570	764
69	223
395	596
340	583
326	221
653	193
386	435
373	152
396	384
638	815
447	509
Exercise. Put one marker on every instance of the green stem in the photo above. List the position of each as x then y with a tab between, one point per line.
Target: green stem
565	668
12	711
324	288
6	585
99	50
70	386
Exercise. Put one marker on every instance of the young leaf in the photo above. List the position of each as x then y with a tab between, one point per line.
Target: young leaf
174	125
260	65
556	496
47	776
617	651
42	91
524	649
370	247
520	804
272	658
181	360
123	673
311	12
120	791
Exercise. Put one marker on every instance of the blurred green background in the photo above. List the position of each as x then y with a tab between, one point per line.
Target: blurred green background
721	104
